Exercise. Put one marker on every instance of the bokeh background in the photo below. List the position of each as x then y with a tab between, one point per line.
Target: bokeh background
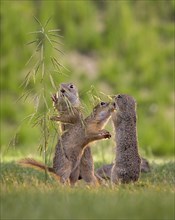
110	47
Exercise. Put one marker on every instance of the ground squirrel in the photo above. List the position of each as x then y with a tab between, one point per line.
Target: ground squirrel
126	167
105	170
72	143
66	99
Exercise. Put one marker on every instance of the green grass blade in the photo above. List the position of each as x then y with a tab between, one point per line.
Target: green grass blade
48	20
56	35
36	19
52	81
54	30
57	42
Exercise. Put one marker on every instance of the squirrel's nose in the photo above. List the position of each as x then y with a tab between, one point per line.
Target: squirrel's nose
62	90
114	104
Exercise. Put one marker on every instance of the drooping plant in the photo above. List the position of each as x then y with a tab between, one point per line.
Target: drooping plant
44	66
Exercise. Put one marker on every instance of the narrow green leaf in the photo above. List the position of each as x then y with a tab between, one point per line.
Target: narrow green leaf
28	116
47	21
55	35
34	77
37	67
36	19
37	119
54	30
31	116
33	53
58	50
30	58
27	82
52	82
60	65
49	40
36	102
56	61
53	63
43	70
24	94
27	75
57	65
57	42
64	67
34	32
31	42
45	101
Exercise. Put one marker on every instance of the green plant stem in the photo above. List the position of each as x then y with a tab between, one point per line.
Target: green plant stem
45	109
45	138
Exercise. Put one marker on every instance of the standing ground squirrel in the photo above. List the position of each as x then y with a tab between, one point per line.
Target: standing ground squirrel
126	167
72	143
64	101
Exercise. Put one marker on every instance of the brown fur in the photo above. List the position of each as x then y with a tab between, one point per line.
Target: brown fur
70	147
126	167
30	162
72	143
64	101
105	170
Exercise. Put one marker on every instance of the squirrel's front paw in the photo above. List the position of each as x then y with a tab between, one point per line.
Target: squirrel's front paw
105	134
54	98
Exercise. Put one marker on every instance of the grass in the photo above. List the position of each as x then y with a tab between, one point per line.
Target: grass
25	195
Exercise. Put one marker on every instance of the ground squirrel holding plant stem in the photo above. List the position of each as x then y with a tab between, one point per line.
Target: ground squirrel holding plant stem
126	167
72	143
64	101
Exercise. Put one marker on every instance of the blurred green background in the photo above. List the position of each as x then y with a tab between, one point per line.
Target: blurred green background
113	46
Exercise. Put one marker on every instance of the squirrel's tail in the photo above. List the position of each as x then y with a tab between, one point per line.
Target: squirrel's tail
30	162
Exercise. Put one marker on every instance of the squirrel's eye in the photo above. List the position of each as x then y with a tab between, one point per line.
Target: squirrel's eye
71	86
119	96
102	103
